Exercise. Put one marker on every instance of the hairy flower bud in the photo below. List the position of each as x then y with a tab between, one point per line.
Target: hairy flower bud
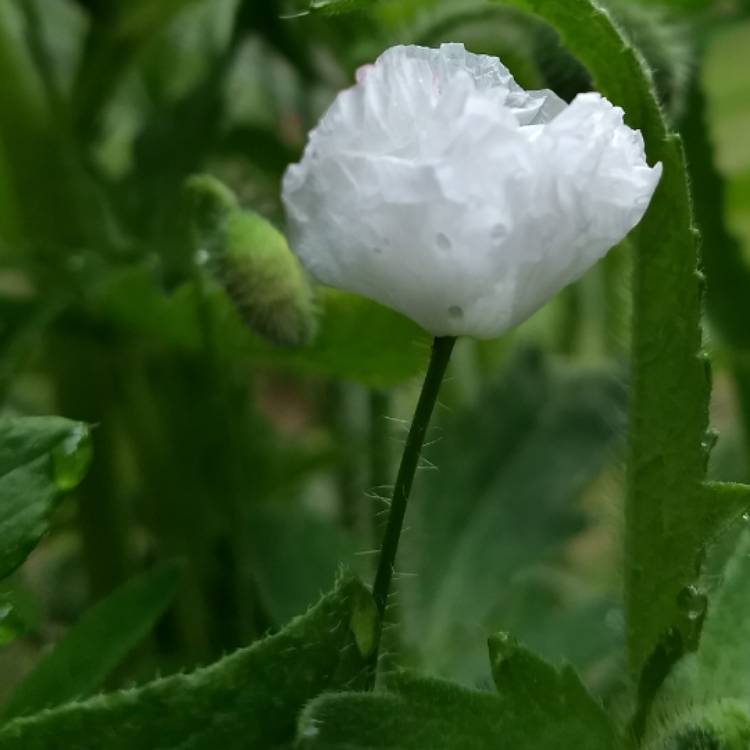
264	279
266	282
439	187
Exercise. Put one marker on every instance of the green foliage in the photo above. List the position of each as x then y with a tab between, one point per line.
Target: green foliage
535	707
711	688
668	521
296	555
512	519
726	267
247	700
93	647
723	725
553	701
18	612
723	658
41	458
667	45
358	340
108	314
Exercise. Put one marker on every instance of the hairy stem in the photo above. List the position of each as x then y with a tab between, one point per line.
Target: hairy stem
441	352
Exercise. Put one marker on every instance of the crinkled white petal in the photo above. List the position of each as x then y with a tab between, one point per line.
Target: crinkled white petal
437	186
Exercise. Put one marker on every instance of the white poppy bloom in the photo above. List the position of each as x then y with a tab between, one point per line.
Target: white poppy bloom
439	187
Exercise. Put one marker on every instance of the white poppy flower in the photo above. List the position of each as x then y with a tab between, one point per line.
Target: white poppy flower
439	187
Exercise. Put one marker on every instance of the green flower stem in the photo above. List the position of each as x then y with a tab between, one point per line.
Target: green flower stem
441	352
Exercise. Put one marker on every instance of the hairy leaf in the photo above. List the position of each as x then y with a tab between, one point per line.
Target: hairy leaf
247	700
720	669
536	708
560	712
667	520
296	555
40	459
97	644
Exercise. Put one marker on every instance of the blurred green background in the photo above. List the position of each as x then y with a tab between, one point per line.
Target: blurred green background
264	468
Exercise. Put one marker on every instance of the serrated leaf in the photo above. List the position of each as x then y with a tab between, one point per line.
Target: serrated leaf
667	522
720	669
555	702
536	708
727	270
488	516
245	701
94	646
40	459
666	44
296	555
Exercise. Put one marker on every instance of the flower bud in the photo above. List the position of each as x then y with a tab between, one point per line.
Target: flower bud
252	260
266	281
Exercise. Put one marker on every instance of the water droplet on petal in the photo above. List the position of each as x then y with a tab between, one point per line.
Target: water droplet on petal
70	459
443	241
455	311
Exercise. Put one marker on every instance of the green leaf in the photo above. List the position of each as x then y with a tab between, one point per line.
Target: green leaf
667	523
722	725
720	669
94	646
724	262
358	339
488	517
556	704
247	700
18	612
536	708
666	44
727	271
296	555
40	459
35	154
